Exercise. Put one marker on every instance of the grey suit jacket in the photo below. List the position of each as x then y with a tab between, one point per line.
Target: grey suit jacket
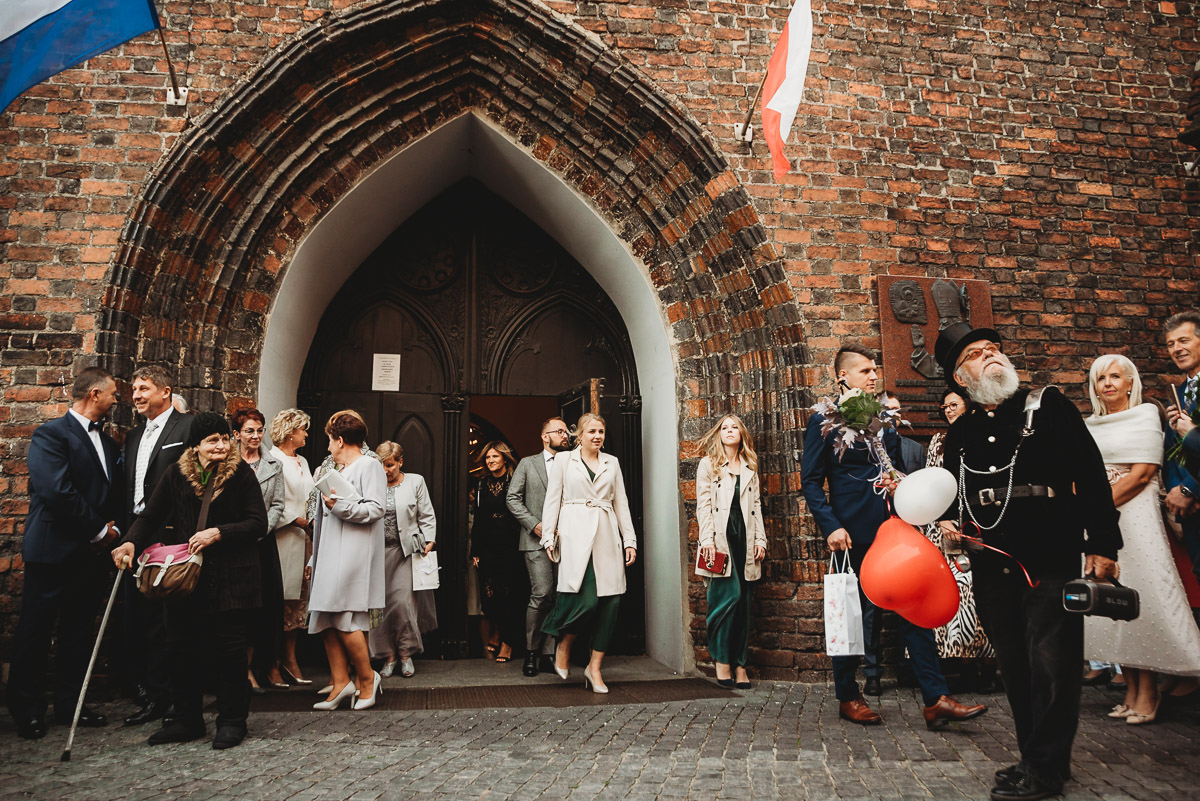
527	496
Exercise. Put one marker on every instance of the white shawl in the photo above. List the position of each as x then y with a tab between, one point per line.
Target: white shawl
1134	436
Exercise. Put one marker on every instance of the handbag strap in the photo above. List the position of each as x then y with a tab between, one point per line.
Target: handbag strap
205	500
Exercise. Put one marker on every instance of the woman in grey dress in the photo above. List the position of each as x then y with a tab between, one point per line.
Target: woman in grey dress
347	562
409	527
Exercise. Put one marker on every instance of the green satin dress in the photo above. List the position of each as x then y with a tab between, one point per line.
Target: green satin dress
729	598
574	611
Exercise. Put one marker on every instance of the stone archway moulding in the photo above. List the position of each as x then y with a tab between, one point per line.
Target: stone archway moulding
254	220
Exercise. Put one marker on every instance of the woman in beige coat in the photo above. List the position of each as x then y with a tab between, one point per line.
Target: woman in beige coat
729	470
587	528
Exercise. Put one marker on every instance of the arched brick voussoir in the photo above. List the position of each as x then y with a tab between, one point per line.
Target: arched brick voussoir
212	235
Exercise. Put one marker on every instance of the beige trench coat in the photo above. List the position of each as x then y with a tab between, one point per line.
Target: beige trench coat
714	499
592	519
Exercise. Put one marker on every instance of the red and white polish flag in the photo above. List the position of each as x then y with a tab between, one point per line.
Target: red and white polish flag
784	86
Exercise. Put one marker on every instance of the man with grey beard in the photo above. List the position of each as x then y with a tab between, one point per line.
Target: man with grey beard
1030	484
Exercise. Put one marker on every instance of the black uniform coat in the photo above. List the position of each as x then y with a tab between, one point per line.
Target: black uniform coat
1047	535
231	577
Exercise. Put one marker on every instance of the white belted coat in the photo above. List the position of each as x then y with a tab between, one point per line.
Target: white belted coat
592	519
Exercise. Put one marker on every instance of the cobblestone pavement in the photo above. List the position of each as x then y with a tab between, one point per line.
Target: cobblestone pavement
778	741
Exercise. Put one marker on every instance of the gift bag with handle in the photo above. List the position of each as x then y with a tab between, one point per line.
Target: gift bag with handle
843	609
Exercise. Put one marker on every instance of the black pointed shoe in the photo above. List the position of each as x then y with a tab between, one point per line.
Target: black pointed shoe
153	710
32	727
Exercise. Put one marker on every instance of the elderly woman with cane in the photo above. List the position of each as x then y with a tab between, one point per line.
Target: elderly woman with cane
214	619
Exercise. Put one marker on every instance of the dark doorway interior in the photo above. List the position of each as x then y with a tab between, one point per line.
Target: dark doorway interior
494	324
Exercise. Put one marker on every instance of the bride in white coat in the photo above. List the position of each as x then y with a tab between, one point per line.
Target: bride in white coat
587	527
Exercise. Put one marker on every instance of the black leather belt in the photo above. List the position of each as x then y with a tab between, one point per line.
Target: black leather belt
995	496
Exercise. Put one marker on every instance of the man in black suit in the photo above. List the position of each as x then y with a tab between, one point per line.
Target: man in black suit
151	446
76	490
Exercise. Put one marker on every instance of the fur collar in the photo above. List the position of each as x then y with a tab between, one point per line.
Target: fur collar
189	466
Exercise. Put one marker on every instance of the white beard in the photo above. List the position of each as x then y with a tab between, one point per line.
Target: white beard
992	389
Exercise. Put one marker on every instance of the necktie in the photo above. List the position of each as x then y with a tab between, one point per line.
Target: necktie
145	446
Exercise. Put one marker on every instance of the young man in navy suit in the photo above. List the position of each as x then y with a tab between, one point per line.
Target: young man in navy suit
151	447
849	518
76	492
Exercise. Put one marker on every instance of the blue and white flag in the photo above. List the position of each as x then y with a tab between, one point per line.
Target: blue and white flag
39	38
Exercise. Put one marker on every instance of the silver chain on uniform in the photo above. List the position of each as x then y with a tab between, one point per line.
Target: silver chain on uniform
962	484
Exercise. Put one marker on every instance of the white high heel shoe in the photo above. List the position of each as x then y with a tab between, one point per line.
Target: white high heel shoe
376	691
336	701
589	682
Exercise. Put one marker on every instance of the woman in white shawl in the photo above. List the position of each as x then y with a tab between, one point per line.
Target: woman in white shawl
586	526
1164	638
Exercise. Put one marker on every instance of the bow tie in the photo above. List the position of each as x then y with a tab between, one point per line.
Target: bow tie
95	426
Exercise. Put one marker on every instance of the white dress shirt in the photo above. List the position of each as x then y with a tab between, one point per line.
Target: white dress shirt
154	429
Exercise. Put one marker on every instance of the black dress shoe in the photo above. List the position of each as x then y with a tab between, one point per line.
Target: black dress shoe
170	717
871	686
546	664
151	711
1009	775
530	667
140	695
228	737
176	733
32	728
88	718
1026	788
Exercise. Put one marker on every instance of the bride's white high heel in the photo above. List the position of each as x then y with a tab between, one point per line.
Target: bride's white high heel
336	701
376	691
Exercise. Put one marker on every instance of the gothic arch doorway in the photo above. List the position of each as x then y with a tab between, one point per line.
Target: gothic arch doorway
492	321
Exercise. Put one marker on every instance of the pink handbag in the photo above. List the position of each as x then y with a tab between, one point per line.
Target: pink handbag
168	571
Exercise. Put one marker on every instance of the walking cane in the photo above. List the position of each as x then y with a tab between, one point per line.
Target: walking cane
112	596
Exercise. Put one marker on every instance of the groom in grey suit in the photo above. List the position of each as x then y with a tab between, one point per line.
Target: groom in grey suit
526	496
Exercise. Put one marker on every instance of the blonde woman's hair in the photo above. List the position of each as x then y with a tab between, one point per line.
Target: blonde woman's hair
586	418
286	422
1127	367
389	451
711	445
510	458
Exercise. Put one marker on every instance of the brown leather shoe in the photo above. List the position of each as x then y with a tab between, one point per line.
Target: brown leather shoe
947	709
857	711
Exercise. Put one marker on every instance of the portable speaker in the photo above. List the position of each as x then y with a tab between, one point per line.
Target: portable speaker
1089	597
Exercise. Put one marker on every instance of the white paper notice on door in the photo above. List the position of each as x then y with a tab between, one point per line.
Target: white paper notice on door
385	375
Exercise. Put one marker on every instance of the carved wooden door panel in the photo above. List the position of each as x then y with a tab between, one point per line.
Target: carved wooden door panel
477	301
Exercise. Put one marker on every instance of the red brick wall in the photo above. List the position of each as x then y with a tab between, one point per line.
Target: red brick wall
1031	144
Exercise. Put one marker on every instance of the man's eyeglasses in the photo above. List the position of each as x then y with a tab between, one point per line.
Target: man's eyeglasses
562	432
991	349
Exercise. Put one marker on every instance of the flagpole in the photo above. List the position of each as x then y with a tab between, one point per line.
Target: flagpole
177	98
743	131
754	102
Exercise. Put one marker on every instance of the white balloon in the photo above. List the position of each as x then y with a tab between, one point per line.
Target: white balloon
924	495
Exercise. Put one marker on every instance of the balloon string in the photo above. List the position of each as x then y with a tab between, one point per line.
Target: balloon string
979	542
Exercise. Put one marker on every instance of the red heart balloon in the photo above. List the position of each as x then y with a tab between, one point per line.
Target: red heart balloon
905	572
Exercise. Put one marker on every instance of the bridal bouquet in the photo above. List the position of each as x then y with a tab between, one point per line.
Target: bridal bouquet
859	417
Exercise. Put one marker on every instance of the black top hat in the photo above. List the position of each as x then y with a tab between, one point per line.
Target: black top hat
952	341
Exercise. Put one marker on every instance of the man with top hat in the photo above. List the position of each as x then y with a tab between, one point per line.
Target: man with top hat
1031	482
849	517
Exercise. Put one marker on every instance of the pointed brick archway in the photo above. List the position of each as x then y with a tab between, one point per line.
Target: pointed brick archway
260	209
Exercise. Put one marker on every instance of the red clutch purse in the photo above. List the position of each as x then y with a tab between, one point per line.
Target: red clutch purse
715	565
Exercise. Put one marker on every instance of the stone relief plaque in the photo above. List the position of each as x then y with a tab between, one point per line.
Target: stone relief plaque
911	313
